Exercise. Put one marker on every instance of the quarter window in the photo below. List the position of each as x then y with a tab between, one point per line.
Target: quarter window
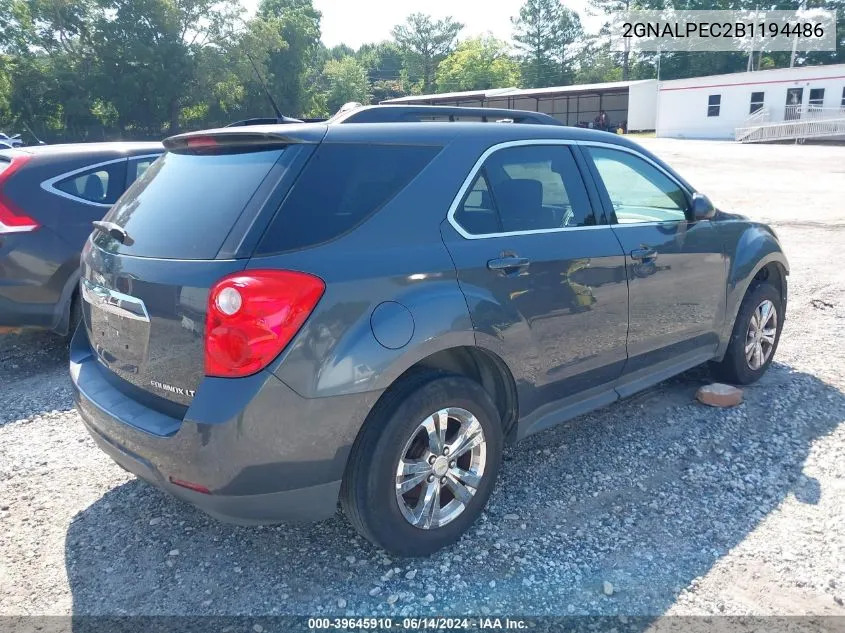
757	99
342	185
526	188
714	104
638	191
102	185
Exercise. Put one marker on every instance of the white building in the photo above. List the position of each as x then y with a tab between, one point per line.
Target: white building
713	107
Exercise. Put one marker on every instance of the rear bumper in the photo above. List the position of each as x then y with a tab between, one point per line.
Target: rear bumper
265	454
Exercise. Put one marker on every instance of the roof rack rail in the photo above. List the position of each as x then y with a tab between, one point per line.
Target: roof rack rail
425	113
272	121
415	114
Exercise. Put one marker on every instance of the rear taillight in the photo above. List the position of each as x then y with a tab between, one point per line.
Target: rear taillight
12	219
253	315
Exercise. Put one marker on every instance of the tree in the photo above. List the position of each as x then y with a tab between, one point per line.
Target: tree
597	64
299	26
146	55
545	32
347	81
383	61
424	43
478	64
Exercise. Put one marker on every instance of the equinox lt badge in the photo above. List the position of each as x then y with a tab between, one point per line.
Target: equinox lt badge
177	390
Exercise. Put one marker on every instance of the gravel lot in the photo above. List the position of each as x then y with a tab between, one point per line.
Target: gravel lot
682	508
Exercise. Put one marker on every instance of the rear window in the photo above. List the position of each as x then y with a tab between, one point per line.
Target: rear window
341	186
184	205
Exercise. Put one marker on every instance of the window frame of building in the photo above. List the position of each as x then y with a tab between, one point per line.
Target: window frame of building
816	102
714	108
758	103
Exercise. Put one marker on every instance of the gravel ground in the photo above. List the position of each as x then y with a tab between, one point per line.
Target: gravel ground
683	509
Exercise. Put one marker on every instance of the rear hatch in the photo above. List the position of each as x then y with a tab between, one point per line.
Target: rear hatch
191	219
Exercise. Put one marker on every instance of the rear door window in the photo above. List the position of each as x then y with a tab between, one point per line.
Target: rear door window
100	185
526	188
341	186
186	204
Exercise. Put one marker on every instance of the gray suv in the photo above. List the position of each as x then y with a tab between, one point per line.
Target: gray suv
280	318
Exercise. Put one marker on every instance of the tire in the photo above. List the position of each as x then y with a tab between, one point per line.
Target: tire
735	368
393	430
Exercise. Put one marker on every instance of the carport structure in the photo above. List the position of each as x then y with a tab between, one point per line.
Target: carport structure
627	103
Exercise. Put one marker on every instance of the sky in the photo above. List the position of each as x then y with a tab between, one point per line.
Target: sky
355	22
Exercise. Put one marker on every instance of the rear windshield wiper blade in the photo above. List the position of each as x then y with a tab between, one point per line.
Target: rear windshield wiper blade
113	230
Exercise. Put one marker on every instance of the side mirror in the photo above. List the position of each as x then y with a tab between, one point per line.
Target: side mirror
702	208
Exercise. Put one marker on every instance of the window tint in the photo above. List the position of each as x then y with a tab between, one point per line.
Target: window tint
340	187
757	99
102	185
638	191
526	188
186	204
714	103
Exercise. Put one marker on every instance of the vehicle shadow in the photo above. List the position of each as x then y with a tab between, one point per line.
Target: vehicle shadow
648	494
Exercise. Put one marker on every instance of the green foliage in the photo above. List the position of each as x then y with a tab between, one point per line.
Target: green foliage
347	81
478	64
76	70
545	33
425	42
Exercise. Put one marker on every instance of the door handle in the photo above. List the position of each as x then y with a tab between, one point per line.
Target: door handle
644	254
508	265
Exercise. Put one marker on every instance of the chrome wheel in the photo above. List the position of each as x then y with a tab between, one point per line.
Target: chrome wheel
760	338
441	468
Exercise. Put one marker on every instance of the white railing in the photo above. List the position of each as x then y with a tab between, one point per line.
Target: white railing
760	116
800	122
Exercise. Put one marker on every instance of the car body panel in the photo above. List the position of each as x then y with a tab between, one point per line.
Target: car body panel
561	324
676	301
401	286
244	440
39	270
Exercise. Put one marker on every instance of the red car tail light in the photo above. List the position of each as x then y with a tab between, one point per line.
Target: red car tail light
12	219
253	315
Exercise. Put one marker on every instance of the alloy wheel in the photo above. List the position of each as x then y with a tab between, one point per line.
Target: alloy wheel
761	335
441	468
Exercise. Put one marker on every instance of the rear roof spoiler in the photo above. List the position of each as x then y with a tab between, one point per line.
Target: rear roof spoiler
251	139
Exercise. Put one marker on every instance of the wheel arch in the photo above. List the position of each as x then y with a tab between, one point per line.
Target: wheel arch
757	258
478	364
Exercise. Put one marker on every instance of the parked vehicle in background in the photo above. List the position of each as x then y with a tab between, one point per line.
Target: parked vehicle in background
280	317
49	195
11	141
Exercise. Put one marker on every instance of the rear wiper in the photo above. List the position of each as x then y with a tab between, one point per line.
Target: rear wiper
113	230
